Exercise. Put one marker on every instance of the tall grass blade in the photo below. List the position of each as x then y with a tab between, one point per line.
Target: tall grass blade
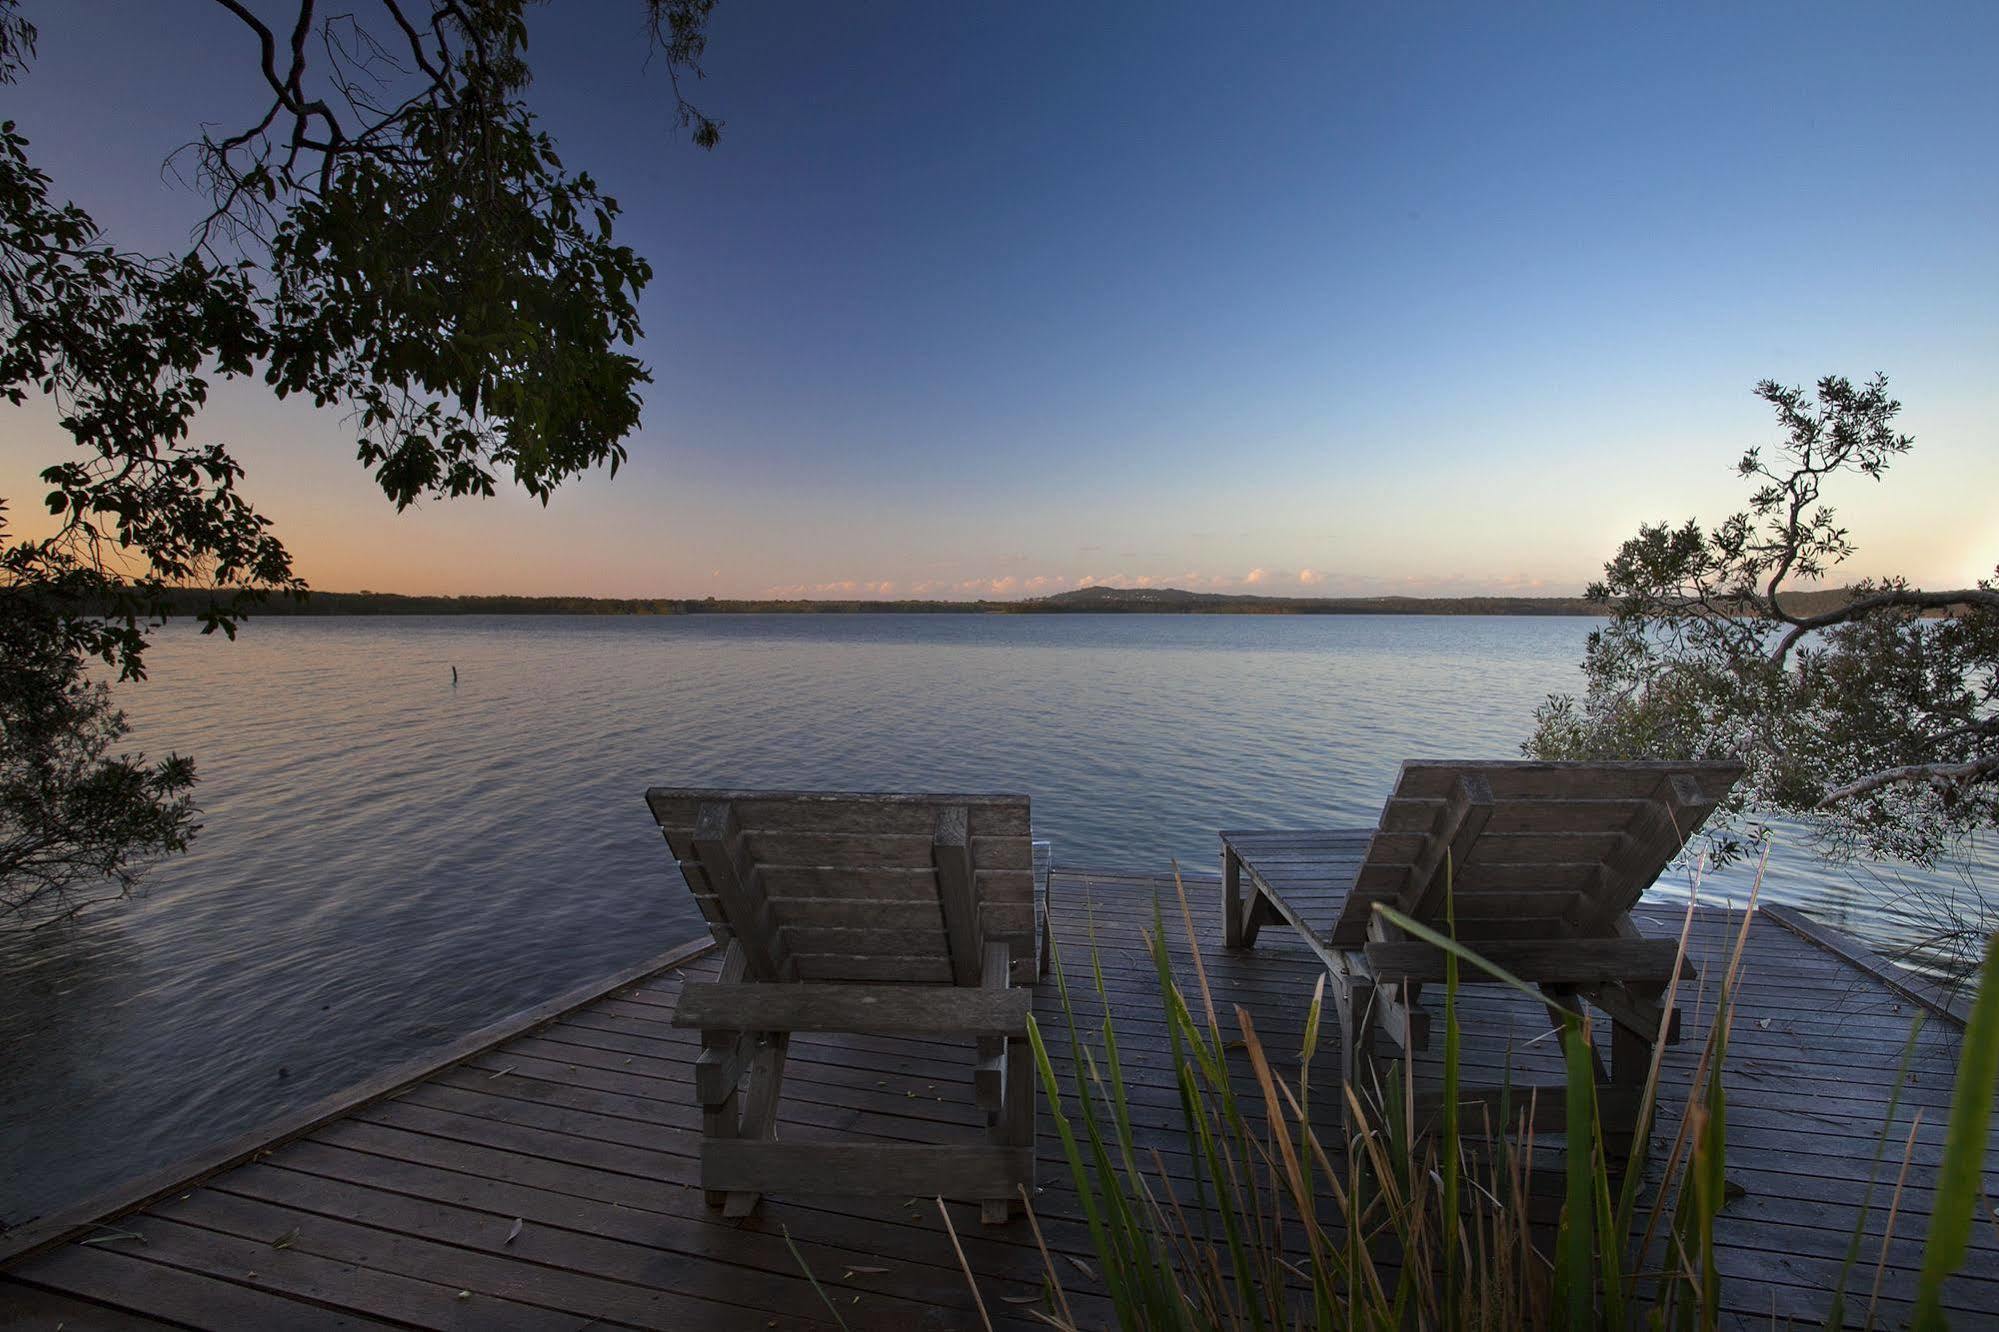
1452	1041
1961	1175
1575	1239
1417	930
1894	1210
1836	1318
1086	1191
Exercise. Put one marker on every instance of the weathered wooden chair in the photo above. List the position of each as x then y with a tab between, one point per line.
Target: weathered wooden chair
889	915
1543	862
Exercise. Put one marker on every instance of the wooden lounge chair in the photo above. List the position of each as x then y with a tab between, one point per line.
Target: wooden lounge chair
1543	862
890	915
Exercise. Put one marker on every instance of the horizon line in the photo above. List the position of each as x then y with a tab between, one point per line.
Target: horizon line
1108	590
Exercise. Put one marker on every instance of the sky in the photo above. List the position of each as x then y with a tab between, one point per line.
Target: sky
1000	300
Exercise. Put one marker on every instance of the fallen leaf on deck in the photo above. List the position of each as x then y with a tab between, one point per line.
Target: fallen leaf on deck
284	1241
513	1234
1082	1266
113	1236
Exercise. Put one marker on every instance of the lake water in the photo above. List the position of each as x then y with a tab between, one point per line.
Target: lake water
389	861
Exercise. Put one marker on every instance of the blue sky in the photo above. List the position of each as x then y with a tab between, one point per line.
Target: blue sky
1003	298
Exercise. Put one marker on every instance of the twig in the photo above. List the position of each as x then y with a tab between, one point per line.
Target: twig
1061	1297
970	1280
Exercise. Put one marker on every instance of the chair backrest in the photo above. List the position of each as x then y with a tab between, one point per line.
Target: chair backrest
1535	850
839	886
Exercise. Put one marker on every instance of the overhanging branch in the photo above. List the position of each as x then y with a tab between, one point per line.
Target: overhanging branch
1942	776
1984	597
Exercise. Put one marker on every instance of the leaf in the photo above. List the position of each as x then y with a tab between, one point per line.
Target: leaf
514	1233
806	1268
114	1236
285	1240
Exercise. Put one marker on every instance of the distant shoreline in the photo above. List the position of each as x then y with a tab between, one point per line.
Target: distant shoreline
1090	600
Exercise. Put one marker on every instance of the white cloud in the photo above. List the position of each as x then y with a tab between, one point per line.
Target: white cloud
1255	576
1310	576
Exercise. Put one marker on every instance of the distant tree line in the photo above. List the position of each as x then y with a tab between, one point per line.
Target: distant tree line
1095	600
1092	601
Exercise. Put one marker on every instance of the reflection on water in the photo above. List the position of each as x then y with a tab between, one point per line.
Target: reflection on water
389	861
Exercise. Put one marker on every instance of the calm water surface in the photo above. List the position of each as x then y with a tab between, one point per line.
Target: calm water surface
389	861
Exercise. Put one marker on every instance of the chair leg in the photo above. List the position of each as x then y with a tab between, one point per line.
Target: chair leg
717	1075
1630	1056
718	1072
1256	913
1012	1125
1047	938
1232	906
1630	1066
760	1108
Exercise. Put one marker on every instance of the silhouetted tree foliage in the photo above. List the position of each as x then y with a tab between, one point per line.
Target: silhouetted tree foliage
76	818
394	237
1876	720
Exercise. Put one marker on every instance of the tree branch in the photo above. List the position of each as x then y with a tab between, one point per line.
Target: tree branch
1985	597
1943	776
415	40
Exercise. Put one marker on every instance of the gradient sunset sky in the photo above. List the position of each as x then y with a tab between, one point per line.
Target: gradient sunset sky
1001	299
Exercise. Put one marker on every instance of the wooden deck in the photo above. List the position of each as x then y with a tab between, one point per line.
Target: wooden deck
542	1174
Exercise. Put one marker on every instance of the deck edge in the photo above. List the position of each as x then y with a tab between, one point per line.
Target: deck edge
59	1227
1857	955
1133	876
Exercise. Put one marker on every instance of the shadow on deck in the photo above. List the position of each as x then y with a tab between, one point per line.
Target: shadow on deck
546	1177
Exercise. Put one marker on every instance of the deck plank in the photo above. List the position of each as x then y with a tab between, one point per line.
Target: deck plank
583	1130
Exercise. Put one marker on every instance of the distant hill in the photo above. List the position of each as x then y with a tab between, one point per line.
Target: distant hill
1173	599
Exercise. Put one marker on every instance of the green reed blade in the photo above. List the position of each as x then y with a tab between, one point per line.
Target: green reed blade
1836	1317
1960	1177
1452	1041
1575	1239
